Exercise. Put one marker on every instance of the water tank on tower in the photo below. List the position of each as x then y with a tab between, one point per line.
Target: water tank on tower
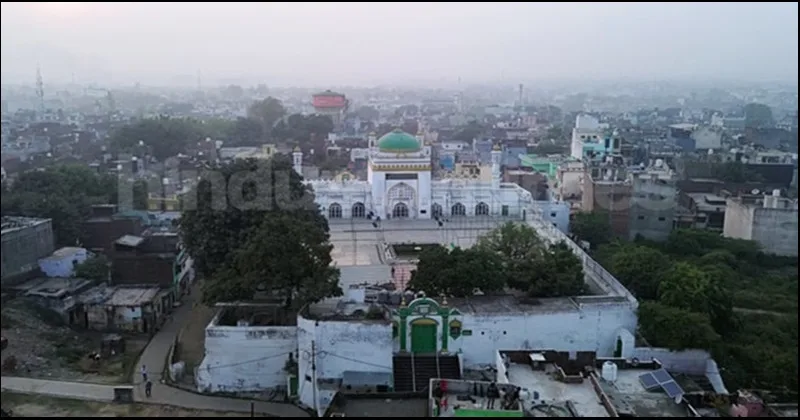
609	372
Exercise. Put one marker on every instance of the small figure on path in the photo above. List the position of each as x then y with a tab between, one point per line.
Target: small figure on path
144	373
148	389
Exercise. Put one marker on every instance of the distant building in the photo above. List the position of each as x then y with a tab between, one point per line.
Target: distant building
25	241
770	220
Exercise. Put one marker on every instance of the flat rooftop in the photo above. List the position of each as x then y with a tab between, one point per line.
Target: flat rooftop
708	202
381	407
628	391
585	400
52	287
11	223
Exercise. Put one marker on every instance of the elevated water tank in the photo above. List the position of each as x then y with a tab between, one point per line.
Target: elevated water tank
609	372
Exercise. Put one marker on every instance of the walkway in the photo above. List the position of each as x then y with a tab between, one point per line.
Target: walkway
154	357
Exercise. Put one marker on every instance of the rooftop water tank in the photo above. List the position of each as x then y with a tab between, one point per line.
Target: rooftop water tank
609	372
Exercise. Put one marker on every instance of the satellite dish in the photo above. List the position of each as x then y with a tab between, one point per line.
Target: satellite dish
755	191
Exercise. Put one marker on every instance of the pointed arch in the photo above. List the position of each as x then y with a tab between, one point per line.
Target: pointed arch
436	210
335	211
359	211
400	211
482	209
458	209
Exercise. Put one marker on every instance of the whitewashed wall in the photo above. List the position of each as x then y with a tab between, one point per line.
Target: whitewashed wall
245	358
594	327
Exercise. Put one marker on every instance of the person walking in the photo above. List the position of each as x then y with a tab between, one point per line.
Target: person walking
148	389
144	373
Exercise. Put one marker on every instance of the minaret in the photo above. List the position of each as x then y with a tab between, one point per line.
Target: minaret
496	158
297	160
39	93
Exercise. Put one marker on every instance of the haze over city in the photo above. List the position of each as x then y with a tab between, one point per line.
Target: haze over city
396	43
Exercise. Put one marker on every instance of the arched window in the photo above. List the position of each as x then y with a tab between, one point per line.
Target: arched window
359	211
335	211
400	211
436	210
482	209
458	209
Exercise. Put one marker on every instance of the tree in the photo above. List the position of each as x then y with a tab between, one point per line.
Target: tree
689	287
758	116
245	132
95	268
675	328
163	137
640	269
559	273
267	112
592	227
286	257
368	113
63	193
457	272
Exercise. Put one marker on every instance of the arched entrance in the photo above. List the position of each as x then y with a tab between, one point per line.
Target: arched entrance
400	211
359	211
423	335
335	211
458	209
482	209
436	210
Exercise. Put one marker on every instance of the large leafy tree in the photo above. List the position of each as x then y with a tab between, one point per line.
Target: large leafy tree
266	217
676	328
63	193
559	273
286	256
267	112
592	227
163	137
640	269
457	272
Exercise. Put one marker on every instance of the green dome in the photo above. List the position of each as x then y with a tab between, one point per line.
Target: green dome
398	142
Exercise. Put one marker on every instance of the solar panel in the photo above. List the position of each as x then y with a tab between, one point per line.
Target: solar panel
672	389
648	381
661	376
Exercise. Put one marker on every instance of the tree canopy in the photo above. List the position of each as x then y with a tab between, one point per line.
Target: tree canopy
162	137
592	227
265	235
95	268
512	256
267	112
62	193
701	290
758	116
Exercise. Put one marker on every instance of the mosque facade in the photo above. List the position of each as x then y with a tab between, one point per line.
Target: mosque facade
400	185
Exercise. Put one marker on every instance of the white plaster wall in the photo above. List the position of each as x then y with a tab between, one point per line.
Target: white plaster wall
245	358
340	346
592	328
54	266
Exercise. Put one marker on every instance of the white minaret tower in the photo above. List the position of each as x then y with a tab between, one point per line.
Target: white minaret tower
297	161
497	155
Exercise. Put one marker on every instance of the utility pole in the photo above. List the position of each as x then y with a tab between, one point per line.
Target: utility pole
314	374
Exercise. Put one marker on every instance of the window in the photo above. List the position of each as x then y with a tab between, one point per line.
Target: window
395	330
504	211
455	329
661	219
553	214
640	217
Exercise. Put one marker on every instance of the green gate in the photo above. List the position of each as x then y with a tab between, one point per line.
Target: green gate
423	336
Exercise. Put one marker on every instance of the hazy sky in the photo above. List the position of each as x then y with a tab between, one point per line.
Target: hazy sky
369	43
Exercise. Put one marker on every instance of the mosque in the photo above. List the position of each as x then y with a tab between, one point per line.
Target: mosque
400	185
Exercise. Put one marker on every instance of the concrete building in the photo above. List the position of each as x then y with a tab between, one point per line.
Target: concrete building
62	262
24	241
770	220
701	211
591	138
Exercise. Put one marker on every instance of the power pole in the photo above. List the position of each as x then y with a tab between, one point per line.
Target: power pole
314	373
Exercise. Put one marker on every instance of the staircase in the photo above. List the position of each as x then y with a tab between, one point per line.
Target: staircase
413	373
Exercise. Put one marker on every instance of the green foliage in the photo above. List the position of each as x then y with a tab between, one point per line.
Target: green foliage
758	116
708	277
267	112
592	227
640	269
675	328
510	256
261	245
163	137
95	268
64	194
458	273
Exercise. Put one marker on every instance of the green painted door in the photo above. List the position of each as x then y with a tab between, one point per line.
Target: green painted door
423	338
